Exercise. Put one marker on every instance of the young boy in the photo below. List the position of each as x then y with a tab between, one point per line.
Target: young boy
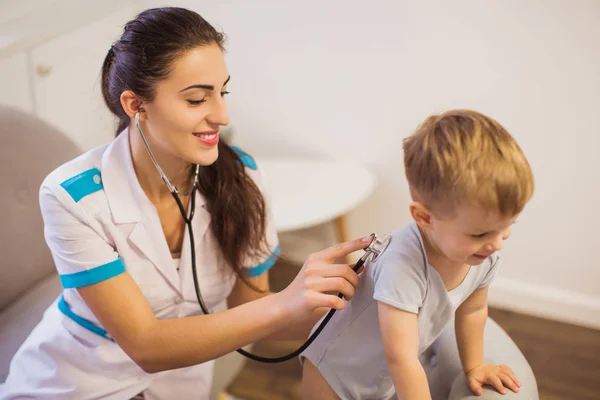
469	180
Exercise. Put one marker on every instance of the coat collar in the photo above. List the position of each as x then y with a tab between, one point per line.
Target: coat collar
126	198
129	205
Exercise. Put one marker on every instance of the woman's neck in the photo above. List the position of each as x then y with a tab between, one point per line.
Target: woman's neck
177	170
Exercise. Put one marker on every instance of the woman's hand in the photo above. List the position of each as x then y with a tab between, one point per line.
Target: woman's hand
309	290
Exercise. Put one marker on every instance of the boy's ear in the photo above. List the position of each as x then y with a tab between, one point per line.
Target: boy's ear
420	214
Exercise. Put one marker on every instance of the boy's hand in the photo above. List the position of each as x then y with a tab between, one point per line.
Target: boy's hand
497	376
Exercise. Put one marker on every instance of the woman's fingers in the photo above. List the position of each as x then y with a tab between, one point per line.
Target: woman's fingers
328	301
341	250
333	277
319	277
333	284
336	270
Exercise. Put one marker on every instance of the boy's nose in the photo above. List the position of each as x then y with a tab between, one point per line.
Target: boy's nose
497	243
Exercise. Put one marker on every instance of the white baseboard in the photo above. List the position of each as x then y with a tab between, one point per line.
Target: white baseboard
545	301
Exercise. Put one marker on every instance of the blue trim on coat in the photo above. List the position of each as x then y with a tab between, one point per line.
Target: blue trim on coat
264	266
247	160
94	275
90	326
85	183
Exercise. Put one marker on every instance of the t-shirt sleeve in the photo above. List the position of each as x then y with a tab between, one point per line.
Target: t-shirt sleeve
399	277
492	272
257	265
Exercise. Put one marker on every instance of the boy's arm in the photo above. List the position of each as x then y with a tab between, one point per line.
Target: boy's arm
400	334
469	325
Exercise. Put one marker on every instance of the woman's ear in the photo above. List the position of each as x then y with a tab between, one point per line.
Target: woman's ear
421	214
131	103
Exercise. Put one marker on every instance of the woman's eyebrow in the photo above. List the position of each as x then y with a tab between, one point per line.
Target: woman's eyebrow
206	87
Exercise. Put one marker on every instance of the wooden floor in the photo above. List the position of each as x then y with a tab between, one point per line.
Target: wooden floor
565	358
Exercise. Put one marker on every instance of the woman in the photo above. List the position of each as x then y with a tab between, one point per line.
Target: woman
128	320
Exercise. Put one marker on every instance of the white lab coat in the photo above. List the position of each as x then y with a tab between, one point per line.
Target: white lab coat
99	223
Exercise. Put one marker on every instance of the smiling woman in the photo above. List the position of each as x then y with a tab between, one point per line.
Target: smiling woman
178	83
128	320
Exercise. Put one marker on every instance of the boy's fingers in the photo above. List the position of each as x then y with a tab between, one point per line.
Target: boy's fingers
508	382
475	387
497	383
512	375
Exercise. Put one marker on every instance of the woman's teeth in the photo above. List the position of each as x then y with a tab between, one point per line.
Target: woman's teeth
206	136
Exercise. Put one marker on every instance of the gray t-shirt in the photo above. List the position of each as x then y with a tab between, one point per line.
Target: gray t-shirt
349	352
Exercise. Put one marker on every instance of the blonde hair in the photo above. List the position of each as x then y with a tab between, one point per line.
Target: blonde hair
463	157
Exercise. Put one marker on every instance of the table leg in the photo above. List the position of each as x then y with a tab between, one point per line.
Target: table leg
341	227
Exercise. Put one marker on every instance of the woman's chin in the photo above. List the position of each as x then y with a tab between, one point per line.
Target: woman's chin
208	157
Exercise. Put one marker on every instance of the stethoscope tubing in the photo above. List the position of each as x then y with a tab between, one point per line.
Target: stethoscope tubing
188	221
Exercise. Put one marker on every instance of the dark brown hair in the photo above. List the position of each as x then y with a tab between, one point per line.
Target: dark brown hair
138	61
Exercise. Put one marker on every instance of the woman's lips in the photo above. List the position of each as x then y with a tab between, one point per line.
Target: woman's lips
209	138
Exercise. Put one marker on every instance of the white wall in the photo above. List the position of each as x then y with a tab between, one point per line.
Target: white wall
338	80
341	80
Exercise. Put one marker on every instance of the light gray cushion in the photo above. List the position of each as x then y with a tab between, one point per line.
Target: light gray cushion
29	149
18	319
444	371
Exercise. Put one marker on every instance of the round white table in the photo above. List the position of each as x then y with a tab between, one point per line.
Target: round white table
305	192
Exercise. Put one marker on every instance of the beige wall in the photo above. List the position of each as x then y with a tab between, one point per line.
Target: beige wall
350	80
342	79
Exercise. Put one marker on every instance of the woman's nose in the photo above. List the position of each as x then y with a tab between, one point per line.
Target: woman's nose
219	114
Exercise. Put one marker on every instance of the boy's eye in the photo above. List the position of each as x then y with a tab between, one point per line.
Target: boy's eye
479	236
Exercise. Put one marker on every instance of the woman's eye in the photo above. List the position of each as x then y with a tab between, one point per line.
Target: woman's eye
224	93
196	102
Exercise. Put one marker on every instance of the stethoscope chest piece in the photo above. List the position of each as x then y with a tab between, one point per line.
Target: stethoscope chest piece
377	246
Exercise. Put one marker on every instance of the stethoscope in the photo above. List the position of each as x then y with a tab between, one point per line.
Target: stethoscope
372	251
